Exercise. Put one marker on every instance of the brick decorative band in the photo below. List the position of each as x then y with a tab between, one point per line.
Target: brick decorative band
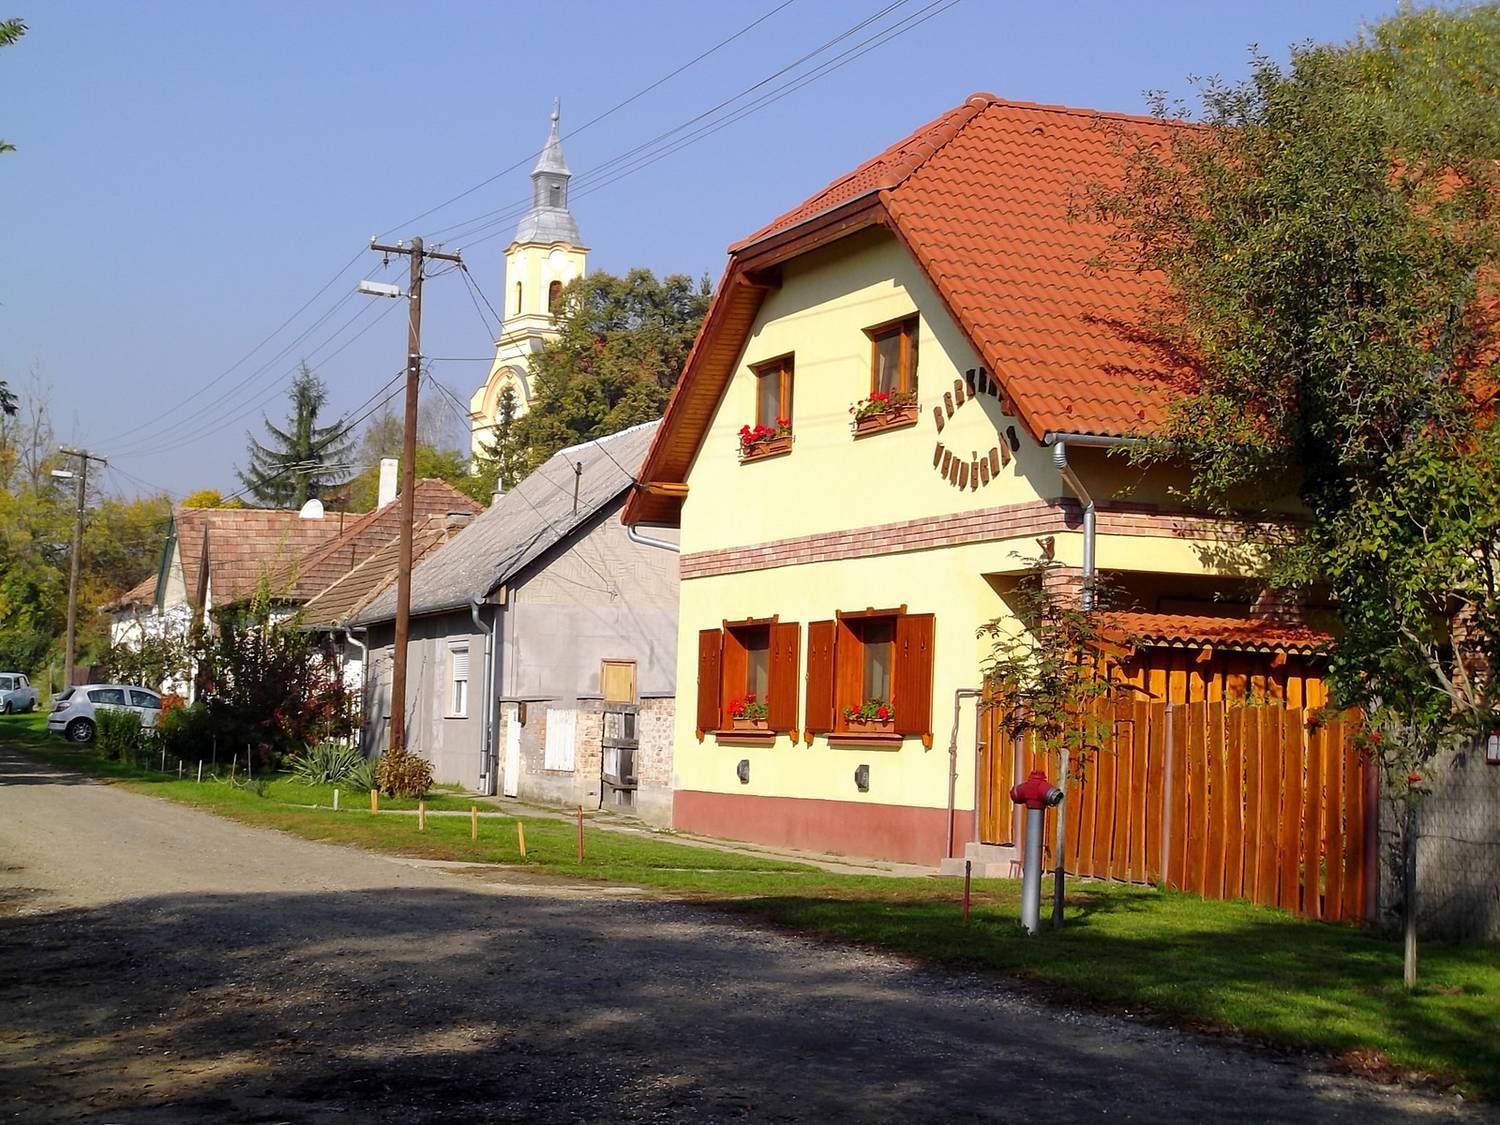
1037	517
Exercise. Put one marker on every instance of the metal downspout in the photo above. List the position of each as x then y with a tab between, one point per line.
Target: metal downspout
646	541
958	697
1070	478
487	753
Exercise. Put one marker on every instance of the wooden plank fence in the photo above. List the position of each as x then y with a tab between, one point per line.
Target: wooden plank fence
1216	799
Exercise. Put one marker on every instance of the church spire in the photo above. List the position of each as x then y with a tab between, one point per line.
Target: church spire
549	219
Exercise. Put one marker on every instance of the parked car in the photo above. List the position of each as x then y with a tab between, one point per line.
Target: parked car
73	712
16	693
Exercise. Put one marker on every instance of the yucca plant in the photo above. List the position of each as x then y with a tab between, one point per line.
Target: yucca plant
328	763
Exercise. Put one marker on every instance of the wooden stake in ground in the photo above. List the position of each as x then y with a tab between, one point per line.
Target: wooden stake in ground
473	822
521	838
580	833
421	816
968	874
335	800
374	801
200	771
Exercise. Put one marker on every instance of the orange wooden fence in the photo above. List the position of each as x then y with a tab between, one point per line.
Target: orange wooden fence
1216	799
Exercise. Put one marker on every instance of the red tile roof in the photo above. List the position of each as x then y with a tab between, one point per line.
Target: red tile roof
243	545
353	591
984	198
326	563
1242	634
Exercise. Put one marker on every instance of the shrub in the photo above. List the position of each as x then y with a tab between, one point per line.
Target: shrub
185	732
400	773
327	763
362	776
120	736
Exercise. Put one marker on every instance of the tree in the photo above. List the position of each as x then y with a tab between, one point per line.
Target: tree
1328	233
502	457
303	458
382	438
10	33
1046	672
209	498
621	346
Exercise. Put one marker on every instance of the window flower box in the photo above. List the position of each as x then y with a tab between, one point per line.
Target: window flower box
765	441
748	713
873	716
884	411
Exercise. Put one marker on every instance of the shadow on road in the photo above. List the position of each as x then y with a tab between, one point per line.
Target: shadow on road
433	1004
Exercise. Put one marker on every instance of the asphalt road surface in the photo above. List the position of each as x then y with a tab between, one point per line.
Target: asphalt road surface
162	965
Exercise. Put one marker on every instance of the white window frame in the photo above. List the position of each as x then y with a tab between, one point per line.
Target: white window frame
458	686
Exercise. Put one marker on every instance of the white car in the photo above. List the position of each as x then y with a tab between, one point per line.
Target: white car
72	714
16	693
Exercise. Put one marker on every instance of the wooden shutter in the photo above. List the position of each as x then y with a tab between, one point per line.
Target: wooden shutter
781	691
710	656
912	688
820	645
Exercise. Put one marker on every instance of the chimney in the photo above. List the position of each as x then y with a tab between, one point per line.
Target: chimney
388	468
455	522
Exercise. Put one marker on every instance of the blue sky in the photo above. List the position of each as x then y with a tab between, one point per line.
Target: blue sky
189	174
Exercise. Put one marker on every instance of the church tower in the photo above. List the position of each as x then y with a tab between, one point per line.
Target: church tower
545	255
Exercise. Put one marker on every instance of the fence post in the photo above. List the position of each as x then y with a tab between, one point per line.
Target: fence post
1166	798
1370	883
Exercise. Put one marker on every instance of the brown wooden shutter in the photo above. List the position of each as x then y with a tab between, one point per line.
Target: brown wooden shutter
820	643
912	690
781	690
848	669
710	656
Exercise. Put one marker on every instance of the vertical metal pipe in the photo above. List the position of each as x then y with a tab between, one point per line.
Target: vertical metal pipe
1060	877
1031	873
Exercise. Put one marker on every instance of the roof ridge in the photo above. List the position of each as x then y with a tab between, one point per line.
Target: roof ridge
606	437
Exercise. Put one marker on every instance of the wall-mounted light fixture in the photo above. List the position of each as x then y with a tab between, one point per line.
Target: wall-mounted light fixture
743	771
862	778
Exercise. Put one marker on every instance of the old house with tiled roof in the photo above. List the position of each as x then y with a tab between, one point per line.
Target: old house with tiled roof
542	653
214	558
906	389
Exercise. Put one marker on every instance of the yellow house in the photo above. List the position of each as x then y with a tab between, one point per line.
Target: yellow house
841	550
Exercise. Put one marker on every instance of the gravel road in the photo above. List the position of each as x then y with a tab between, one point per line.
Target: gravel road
162	965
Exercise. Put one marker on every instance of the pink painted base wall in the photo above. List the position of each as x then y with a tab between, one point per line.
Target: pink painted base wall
899	833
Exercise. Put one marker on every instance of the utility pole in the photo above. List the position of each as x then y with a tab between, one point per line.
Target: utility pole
418	254
84	457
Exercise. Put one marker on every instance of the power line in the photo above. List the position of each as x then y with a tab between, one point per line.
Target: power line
265	340
593	120
642	156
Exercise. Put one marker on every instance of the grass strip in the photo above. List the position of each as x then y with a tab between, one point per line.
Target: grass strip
1224	966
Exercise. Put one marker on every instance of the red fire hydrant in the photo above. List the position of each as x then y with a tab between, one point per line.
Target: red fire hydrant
1038	795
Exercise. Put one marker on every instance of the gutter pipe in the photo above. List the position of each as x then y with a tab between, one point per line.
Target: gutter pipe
487	754
958	697
1070	478
647	541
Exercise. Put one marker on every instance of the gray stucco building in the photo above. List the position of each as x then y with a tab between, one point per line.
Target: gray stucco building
541	660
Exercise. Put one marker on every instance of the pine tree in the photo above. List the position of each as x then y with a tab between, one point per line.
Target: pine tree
304	457
502	459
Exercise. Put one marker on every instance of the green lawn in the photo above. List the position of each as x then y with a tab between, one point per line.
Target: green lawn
1225	966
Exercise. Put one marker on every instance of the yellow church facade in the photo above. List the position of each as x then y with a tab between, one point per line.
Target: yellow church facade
546	254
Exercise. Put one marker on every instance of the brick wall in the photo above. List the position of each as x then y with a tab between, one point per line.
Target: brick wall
582	784
1458	852
1038	517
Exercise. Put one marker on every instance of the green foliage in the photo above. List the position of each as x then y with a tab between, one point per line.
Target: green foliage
301	459
327	763
152	661
1045	668
209	498
621	346
400	773
120	735
10	33
1330	236
502	457
432	464
272	687
188	733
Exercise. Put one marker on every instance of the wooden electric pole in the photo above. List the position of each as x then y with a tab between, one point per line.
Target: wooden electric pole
84	457
418	255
